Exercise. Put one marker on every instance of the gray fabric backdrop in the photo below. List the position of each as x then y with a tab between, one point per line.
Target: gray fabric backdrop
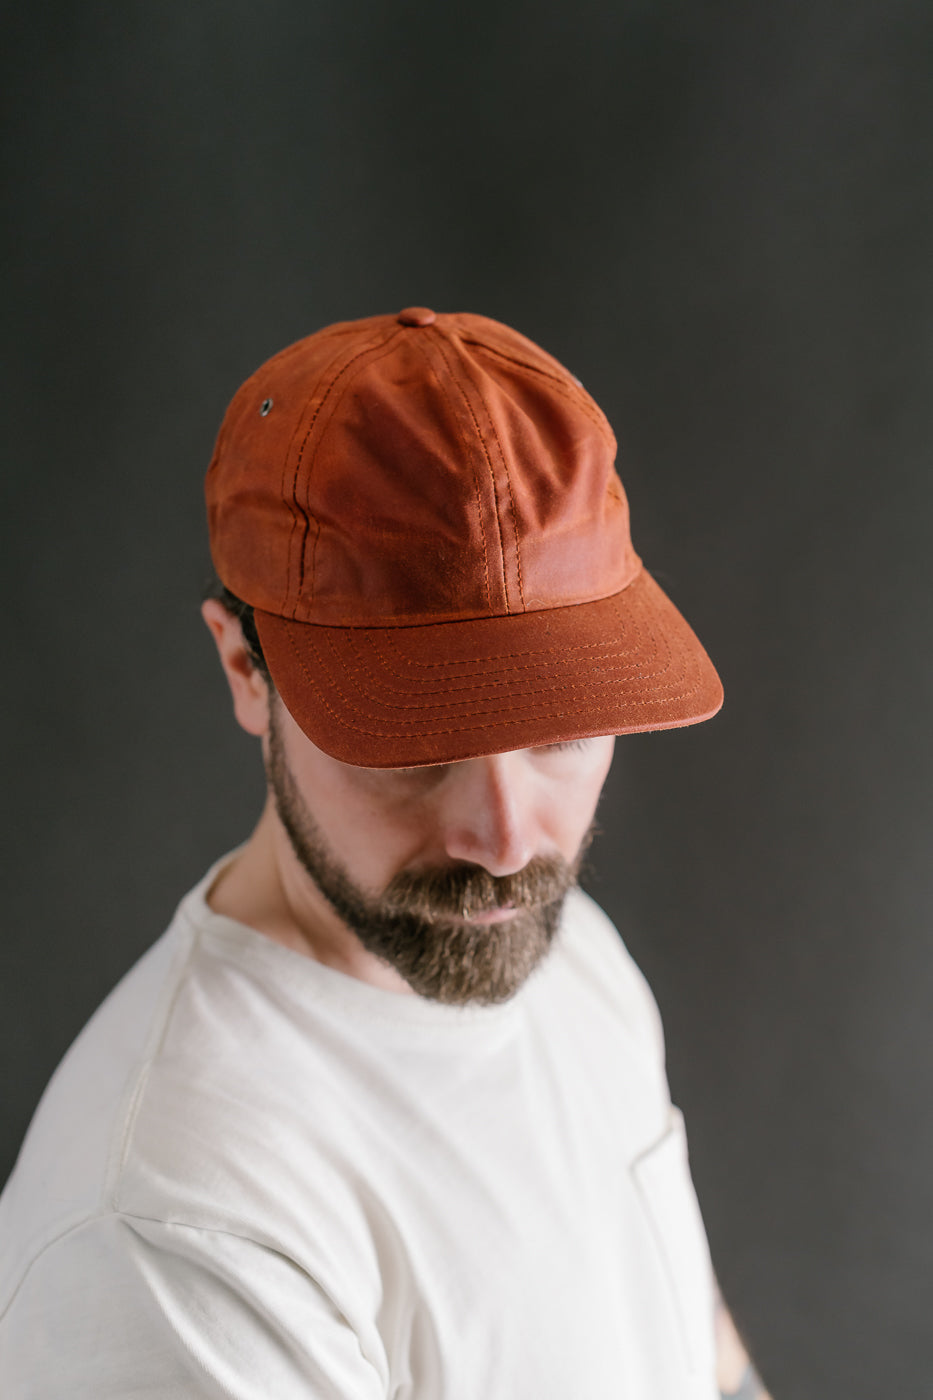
720	216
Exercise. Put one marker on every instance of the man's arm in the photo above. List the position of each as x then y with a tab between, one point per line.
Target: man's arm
735	1374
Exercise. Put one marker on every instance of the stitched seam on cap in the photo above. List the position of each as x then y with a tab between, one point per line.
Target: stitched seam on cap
663	663
492	474
635	611
353	671
479	500
580	398
384	349
505	656
534	657
294	510
301	451
290	352
609	675
469	728
508	480
626	661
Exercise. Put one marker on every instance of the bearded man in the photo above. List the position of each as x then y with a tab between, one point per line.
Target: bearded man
384	1112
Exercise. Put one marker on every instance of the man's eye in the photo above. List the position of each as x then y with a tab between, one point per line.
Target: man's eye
427	772
567	745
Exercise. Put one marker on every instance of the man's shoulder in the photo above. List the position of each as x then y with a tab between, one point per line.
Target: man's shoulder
180	1104
72	1150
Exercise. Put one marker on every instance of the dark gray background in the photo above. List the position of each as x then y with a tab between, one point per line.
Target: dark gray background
720	216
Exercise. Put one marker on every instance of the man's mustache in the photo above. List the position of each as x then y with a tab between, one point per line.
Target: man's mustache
461	890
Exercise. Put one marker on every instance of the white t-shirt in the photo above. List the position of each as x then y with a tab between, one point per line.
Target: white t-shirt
255	1177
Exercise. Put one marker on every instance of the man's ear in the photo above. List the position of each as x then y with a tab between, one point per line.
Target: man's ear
247	684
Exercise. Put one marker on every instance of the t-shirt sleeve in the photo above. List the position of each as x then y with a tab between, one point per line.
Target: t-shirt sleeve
123	1308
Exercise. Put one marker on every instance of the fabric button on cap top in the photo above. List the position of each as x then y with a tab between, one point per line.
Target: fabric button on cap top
417	316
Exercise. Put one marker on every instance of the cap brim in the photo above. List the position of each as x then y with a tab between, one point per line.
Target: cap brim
400	697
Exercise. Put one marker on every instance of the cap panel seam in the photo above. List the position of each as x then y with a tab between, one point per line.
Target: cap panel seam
286	354
492	474
294	508
304	507
384	349
289	496
479	499
581	400
508	481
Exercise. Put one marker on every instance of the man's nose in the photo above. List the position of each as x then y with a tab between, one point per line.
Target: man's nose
491	819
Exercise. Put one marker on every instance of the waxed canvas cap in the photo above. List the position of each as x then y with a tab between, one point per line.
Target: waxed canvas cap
423	511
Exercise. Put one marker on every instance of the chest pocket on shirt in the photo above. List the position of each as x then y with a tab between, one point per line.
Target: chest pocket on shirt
662	1176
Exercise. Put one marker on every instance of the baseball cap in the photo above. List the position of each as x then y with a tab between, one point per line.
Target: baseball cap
424	513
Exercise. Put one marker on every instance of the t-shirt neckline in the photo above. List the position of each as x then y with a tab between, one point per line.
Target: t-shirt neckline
314	981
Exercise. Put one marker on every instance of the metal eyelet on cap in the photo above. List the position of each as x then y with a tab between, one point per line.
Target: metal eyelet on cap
265	407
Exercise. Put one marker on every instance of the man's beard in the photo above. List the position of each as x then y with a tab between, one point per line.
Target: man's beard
418	925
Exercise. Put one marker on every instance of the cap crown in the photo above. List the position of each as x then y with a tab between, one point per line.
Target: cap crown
384	473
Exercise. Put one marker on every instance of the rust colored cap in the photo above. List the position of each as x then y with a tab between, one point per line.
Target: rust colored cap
433	536
417	316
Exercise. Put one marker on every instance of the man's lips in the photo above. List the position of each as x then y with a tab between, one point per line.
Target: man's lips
491	916
465	915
